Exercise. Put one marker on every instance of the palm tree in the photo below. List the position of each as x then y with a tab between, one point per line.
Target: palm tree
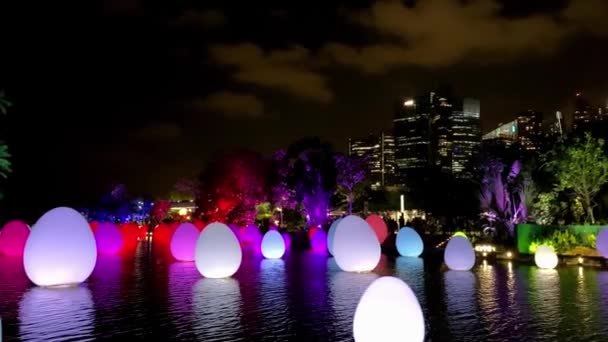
5	164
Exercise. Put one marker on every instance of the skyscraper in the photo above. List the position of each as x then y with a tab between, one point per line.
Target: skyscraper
529	130
380	151
583	113
465	136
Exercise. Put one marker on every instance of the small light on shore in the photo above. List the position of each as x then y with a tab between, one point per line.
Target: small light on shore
509	255
485	254
580	260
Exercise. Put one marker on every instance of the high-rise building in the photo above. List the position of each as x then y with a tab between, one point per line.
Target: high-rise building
465	136
583	113
529	130
436	131
505	134
380	151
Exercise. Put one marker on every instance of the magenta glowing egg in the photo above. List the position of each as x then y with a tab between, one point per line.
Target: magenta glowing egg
287	239
13	236
218	252
60	250
183	243
318	242
379	227
356	246
108	238
273	245
252	237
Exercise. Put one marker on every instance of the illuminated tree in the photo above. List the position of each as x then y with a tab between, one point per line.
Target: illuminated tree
160	209
582	169
351	174
232	186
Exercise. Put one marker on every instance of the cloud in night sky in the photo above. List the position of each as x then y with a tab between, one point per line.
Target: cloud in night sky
231	104
205	19
437	33
289	70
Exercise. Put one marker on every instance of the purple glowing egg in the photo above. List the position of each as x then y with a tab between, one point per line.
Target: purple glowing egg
13	236
287	239
252	237
60	250
183	243
109	239
318	242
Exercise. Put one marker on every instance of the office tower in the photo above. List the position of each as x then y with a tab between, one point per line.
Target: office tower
583	113
504	134
465	137
529	130
380	151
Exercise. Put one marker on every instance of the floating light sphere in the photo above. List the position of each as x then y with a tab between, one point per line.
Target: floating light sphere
287	239
379	227
13	236
459	254
388	311
356	247
273	245
60	250
460	234
218	252
318	242
330	236
108	238
409	242
545	257
602	242
183	242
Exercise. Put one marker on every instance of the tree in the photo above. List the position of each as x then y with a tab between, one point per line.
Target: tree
582	169
351	174
5	164
502	197
185	189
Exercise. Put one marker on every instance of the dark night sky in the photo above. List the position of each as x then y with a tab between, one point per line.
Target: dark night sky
142	92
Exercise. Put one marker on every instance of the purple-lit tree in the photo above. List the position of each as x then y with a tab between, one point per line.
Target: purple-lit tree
502	195
351	174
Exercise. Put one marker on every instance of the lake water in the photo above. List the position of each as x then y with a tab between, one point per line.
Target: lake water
303	297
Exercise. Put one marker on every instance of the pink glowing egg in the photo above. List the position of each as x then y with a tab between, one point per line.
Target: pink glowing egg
108	239
287	239
13	236
379	227
252	236
183	242
318	243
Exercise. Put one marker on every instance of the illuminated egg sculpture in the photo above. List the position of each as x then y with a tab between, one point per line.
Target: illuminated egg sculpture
251	236
388	311
13	236
273	245
130	233
183	242
162	234
459	254
545	257
379	227
460	234
409	242
356	247
218	252
318	242
60	250
602	242
330	236
312	232
287	239
108	238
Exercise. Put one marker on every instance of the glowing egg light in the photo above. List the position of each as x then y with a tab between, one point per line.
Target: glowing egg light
545	257
409	242
330	236
388	311
251	235
460	234
60	250
379	227
318	242
287	239
162	234
459	254
602	242
183	242
356	247
108	239
218	252
312	232
273	245
130	233
13	236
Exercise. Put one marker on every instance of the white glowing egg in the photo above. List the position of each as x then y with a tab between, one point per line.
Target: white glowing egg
409	243
355	245
60	250
459	254
545	257
388	311
273	245
183	242
330	236
602	242
218	252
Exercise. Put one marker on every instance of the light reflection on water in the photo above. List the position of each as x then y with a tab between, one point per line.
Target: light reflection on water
303	296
